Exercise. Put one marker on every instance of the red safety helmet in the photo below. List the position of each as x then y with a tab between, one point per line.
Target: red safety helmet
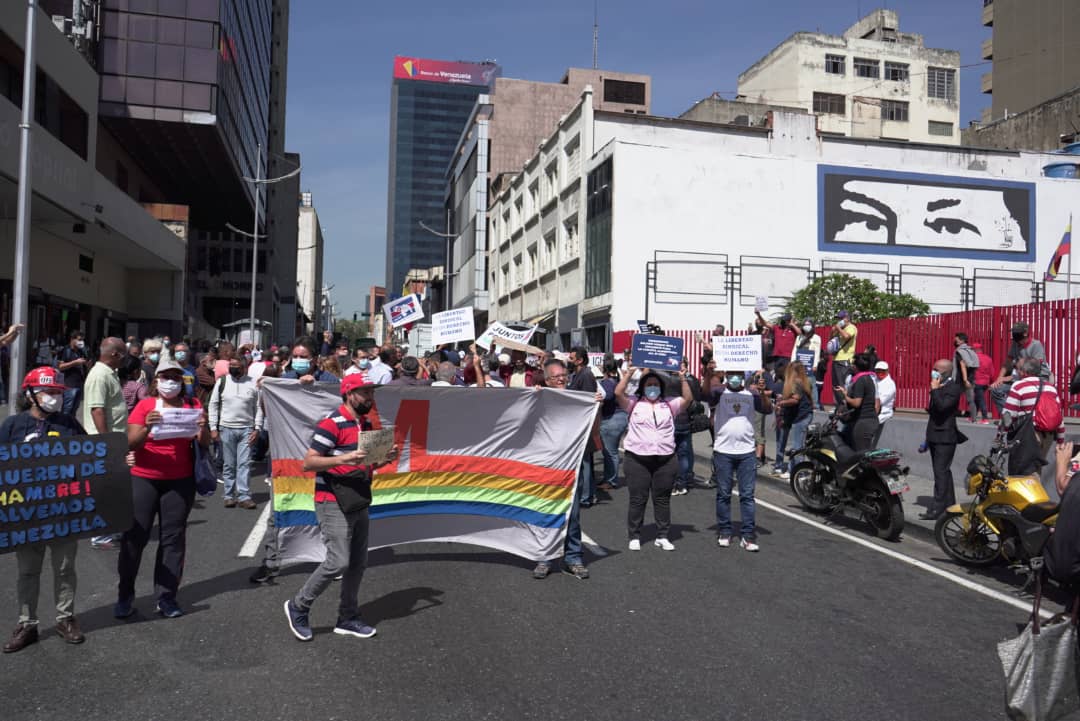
43	377
353	381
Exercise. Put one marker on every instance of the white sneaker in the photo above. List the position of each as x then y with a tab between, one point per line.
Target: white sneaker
723	541
749	546
635	544
785	475
664	544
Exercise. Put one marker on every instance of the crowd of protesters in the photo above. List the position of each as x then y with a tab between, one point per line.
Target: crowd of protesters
644	432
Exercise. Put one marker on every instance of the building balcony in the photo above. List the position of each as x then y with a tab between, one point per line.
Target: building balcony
988	14
988	49
988	83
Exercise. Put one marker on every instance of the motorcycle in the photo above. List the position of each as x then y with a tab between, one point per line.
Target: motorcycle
1008	520
834	477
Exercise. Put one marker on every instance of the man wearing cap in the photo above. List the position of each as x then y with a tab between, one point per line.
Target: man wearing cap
410	369
784	335
342	499
846	332
886	396
1022	346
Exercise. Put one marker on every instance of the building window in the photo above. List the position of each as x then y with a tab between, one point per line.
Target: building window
551	182
835	64
598	231
941	83
504	280
531	270
829	104
534	200
865	68
935	127
896	110
86	263
900	72
624	91
518	268
550	255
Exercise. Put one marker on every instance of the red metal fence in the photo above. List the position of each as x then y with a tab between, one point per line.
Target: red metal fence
912	345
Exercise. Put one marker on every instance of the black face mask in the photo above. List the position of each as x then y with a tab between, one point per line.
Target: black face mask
1018	337
361	409
236	372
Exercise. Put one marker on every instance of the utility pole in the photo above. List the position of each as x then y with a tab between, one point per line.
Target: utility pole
596	35
255	243
21	306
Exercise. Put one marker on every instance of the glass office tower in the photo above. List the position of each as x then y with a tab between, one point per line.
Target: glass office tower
430	102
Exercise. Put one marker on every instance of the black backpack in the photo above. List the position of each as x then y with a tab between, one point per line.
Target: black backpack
1062	554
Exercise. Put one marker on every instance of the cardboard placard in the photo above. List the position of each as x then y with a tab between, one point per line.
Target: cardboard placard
761	303
403	310
642	326
659	352
63	487
452	326
737	352
497	333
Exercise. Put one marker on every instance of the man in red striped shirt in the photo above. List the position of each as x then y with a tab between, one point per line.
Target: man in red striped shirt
342	499
1025	394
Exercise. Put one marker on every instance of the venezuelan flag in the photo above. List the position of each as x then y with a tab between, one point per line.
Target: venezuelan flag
1062	250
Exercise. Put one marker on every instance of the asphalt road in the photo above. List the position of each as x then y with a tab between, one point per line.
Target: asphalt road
812	627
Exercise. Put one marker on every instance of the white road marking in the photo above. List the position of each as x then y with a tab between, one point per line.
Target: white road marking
251	545
596	548
958	580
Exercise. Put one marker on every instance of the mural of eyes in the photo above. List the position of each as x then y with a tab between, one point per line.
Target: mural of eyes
950	225
865	220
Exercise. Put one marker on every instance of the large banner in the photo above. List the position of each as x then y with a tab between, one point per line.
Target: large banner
491	467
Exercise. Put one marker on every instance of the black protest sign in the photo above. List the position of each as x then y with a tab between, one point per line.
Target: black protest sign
63	487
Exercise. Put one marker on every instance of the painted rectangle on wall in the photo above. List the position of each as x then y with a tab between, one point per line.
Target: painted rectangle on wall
864	210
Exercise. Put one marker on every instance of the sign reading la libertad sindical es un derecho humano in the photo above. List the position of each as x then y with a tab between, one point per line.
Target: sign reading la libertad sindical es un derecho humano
63	487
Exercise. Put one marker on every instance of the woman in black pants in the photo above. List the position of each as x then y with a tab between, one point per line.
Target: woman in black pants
860	397
650	463
162	485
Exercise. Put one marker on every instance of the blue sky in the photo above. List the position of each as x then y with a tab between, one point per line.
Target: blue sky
341	56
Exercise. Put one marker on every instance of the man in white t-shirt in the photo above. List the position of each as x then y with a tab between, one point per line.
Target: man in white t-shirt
886	397
734	453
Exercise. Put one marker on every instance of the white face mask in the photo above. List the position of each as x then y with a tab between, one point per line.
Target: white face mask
807	328
80	344
168	388
50	403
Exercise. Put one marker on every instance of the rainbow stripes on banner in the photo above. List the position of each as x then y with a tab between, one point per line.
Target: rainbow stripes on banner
487	466
1063	249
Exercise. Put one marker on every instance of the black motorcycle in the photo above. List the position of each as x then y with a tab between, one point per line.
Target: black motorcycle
834	477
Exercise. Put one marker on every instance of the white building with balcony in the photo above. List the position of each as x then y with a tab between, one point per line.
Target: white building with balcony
871	82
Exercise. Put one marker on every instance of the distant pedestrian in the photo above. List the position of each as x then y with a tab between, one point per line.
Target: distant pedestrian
236	421
1022	346
965	366
942	435
74	364
845	333
796	410
613	422
984	375
860	401
886	397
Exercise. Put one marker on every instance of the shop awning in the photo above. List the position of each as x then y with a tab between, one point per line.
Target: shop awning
541	318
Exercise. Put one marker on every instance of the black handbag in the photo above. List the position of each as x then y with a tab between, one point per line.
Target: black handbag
205	477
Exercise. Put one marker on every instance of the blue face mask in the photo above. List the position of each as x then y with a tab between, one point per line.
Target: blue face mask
735	383
181	356
364	364
935	375
155	357
301	365
652	392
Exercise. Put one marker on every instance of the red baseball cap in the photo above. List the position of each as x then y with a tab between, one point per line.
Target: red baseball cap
43	377
353	381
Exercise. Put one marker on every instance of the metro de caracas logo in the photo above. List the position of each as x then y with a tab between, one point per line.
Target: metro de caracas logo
410	67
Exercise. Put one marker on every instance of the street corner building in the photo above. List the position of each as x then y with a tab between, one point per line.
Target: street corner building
505	480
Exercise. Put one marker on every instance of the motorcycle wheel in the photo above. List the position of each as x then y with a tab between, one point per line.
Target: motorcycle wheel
806	485
888	516
978	546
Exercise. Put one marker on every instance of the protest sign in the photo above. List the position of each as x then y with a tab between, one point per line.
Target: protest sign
403	310
806	357
596	360
737	352
452	482
177	423
55	488
761	303
497	333
642	326
659	352
450	326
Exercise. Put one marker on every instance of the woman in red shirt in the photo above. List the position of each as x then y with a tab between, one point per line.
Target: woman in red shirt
162	485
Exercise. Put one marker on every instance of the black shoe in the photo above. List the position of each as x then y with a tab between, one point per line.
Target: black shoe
930	515
263	575
169	608
24	635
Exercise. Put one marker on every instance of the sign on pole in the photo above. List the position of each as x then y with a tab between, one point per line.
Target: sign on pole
737	352
403	310
452	326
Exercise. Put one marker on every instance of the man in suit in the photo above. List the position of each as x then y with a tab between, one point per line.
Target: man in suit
942	435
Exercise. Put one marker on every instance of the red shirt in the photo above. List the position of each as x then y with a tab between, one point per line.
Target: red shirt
783	342
162	460
334	435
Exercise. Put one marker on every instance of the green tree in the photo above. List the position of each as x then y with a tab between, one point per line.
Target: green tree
353	330
826	296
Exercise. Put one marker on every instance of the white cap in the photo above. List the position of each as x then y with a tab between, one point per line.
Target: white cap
504	359
881	366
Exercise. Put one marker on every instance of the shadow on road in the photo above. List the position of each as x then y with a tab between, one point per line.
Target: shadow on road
401	604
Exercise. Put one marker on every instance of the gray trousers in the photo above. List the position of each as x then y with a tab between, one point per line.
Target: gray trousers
346	541
30	560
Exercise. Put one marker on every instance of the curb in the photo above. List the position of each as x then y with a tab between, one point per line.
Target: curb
911	526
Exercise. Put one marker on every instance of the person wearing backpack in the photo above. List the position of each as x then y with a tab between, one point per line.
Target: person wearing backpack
1032	395
965	365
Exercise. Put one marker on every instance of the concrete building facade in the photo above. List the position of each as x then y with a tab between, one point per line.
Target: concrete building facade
309	266
684	224
871	82
99	262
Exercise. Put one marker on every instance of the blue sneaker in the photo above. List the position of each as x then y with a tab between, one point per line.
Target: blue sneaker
169	608
298	621
354	627
123	608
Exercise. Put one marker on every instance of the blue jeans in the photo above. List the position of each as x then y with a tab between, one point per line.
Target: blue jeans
585	482
611	430
572	547
796	437
684	451
236	453
72	396
745	467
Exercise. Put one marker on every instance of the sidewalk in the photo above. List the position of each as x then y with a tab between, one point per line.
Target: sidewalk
903	433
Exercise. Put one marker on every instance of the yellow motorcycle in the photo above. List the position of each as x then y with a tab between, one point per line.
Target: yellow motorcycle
1009	519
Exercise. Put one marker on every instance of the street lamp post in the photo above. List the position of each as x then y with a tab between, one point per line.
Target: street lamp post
446	269
254	235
